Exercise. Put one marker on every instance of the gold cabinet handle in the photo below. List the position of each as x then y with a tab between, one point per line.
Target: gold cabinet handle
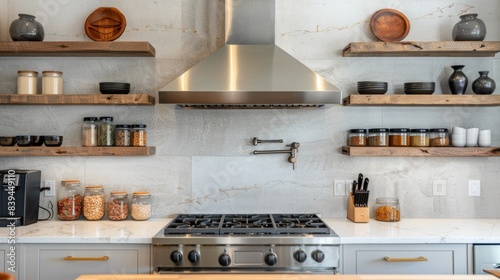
419	259
71	258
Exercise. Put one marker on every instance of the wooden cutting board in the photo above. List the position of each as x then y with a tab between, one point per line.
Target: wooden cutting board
105	24
495	272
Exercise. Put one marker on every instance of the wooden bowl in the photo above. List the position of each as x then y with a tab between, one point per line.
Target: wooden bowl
389	25
105	24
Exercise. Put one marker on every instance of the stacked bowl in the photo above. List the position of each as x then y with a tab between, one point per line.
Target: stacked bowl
372	87
420	88
114	88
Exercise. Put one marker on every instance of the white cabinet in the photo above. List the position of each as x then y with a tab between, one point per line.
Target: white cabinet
405	259
9	260
68	261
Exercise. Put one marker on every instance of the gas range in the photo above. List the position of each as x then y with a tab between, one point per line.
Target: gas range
246	243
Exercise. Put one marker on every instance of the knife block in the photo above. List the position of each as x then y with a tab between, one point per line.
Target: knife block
357	214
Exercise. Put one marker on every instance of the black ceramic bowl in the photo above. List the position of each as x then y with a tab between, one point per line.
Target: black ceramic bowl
114	88
25	140
53	140
38	141
7	140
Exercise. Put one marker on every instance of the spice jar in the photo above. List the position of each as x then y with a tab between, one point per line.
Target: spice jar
439	137
89	132
105	133
399	137
118	206
69	200
52	82
378	137
139	135
357	137
419	137
122	135
140	208
27	82
93	203
387	209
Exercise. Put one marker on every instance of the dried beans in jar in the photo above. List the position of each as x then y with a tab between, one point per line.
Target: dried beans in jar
93	203
69	200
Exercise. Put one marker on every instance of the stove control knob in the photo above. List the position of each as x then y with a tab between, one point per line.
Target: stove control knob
194	256
224	259
271	259
300	256
318	256
176	257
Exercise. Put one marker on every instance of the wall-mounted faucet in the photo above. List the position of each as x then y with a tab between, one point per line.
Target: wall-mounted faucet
294	149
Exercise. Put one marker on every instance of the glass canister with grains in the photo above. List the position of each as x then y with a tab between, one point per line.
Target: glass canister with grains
93	203
69	200
118	206
141	206
387	209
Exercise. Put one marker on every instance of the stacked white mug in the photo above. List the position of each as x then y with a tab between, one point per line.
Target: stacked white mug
470	137
484	138
458	136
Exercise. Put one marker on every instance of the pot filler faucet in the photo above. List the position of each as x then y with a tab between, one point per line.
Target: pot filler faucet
294	149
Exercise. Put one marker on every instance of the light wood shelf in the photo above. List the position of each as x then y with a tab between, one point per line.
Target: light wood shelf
421	151
76	48
421	100
430	49
77	99
16	151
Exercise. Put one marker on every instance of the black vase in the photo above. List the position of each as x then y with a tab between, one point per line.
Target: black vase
483	84
458	81
469	28
26	28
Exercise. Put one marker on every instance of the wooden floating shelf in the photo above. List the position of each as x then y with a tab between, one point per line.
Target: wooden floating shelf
77	99
430	49
421	151
16	151
421	100
75	48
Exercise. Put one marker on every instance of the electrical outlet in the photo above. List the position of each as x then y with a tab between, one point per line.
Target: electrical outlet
338	187
52	185
474	187
439	187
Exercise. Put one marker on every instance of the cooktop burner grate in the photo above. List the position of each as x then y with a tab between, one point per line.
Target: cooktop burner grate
299	223
194	224
254	224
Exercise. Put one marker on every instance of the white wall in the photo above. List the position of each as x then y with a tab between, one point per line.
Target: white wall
204	161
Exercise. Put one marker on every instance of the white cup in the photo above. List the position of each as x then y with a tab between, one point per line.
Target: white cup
484	138
458	140
472	137
458	130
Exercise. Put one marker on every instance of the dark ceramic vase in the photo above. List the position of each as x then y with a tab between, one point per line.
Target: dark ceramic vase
469	28
26	28
458	81
483	84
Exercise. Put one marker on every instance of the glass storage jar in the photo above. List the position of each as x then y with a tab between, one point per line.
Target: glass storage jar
387	209
439	137
419	137
378	137
118	206
27	82
399	137
122	135
139	135
357	137
52	82
69	200
89	132
93	203
106	132
140	208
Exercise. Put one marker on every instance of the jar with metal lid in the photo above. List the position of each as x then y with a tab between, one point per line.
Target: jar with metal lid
419	137
139	135
387	209
378	137
52	82
357	137
105	133
27	82
439	137
69	200
89	131
93	203
122	135
118	206
140	208
399	137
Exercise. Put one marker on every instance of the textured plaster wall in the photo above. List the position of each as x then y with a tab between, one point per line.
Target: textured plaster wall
204	162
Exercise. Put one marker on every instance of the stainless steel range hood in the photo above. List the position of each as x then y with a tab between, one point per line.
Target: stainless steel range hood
250	71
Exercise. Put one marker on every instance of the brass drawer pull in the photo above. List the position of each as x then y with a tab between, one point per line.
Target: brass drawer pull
419	259
71	258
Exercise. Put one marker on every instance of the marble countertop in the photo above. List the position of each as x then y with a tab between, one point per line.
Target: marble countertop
406	231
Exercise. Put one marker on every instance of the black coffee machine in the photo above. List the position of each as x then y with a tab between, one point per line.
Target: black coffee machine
19	197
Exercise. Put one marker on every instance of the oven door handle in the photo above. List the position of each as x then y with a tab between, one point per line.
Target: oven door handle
71	258
496	266
418	259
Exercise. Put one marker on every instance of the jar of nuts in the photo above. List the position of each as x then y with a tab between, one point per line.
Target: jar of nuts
122	135
387	209
140	206
118	206
69	200
93	203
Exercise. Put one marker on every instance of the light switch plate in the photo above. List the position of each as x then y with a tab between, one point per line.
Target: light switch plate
439	187
338	187
474	187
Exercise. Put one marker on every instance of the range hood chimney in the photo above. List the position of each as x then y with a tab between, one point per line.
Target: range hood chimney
250	71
